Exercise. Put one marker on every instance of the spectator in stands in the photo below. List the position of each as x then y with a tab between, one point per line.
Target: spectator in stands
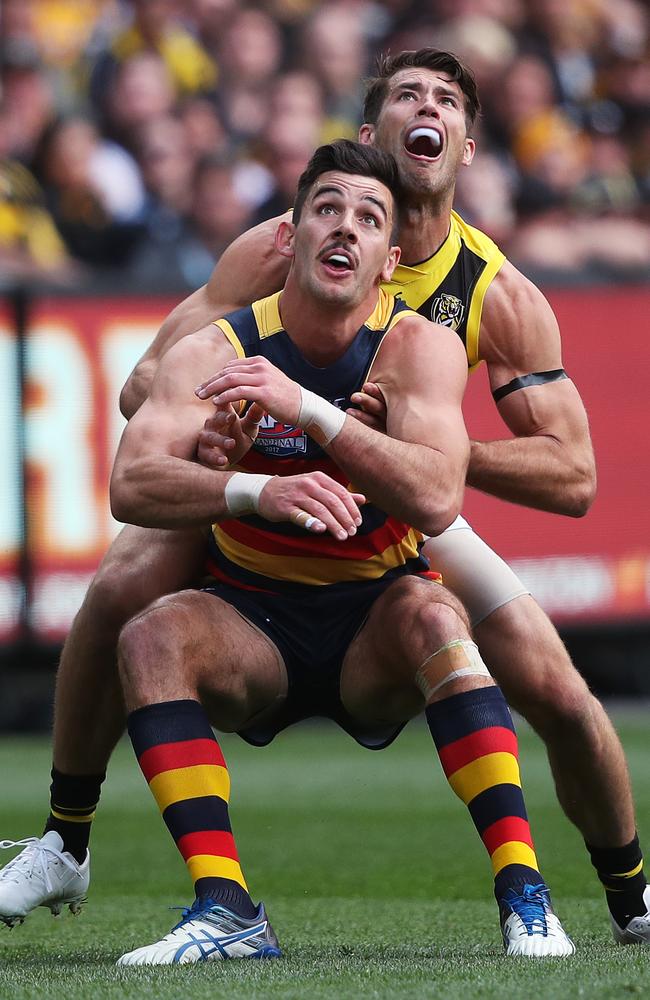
334	50
30	245
250	56
93	190
156	28
141	92
217	215
28	99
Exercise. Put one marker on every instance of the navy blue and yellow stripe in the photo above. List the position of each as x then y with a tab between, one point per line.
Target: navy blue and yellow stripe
477	744
187	774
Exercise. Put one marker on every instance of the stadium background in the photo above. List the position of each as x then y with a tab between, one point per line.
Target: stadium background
138	139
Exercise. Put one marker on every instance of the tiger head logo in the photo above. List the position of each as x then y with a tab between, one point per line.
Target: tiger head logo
447	310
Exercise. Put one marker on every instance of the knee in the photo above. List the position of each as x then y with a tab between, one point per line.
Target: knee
429	617
115	594
145	649
437	622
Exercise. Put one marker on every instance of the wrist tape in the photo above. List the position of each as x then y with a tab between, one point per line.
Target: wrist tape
318	418
242	493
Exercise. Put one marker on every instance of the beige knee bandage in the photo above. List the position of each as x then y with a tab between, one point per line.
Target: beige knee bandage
455	659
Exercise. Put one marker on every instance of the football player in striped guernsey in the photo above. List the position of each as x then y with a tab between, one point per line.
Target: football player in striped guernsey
320	603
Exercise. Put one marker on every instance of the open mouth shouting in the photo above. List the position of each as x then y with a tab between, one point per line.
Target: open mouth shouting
338	261
424	142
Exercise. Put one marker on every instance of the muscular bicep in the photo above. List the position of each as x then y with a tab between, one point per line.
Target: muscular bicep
423	373
520	336
554	409
522	347
169	421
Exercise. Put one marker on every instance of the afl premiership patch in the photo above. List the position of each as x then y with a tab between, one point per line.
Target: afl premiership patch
447	310
280	440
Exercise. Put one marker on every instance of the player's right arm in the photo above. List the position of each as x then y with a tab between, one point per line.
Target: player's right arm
249	269
157	484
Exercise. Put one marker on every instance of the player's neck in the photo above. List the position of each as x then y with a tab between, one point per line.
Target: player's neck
424	227
321	332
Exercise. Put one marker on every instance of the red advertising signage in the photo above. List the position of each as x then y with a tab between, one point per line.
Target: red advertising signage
597	567
78	353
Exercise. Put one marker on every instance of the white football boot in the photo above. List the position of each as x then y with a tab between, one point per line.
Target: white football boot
209	932
529	925
637	931
43	874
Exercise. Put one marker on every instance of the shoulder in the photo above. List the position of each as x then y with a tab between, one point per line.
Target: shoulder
250	266
476	240
415	341
209	345
514	310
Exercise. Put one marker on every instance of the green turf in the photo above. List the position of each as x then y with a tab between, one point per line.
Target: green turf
374	878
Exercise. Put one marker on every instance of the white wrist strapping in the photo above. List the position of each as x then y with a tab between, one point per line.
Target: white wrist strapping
318	418
242	493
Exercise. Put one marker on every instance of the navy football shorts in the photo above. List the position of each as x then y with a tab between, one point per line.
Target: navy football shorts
312	633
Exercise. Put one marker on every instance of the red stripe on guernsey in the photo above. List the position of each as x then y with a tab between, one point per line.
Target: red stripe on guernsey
510	828
212	568
186	753
493	739
255	461
392	532
219	843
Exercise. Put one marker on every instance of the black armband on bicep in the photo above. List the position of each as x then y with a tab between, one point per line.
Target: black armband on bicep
523	381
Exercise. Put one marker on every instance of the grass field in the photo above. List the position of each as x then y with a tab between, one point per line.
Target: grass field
372	874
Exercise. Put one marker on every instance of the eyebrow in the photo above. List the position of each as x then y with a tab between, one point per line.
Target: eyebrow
333	189
440	88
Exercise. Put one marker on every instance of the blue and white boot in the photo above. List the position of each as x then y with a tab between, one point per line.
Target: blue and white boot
210	932
529	925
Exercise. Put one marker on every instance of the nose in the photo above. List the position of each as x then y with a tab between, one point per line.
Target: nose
428	108
346	228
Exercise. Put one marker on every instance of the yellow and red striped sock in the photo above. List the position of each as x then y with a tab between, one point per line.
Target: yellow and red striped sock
186	772
477	744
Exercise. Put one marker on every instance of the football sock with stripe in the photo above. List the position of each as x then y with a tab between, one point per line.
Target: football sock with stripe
184	767
476	741
73	802
620	869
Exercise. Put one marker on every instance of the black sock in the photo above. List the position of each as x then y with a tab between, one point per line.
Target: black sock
73	801
620	869
228	893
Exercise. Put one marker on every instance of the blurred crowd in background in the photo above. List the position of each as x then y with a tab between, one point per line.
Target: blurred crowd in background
138	139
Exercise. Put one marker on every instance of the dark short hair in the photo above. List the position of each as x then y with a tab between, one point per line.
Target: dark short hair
349	158
434	59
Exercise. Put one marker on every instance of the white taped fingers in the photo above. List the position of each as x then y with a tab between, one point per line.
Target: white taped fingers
306	521
242	493
318	418
480	578
459	658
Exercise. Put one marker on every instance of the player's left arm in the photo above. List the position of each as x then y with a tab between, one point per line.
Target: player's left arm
549	464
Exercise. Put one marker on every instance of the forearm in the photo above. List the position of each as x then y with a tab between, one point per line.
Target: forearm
412	482
166	492
537	471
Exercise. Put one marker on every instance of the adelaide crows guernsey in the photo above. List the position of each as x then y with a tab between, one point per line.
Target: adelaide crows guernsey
254	554
450	286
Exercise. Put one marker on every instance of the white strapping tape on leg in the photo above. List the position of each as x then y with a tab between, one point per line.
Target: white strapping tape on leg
458	658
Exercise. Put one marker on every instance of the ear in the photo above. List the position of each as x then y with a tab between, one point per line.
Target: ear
468	152
367	134
392	261
284	235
